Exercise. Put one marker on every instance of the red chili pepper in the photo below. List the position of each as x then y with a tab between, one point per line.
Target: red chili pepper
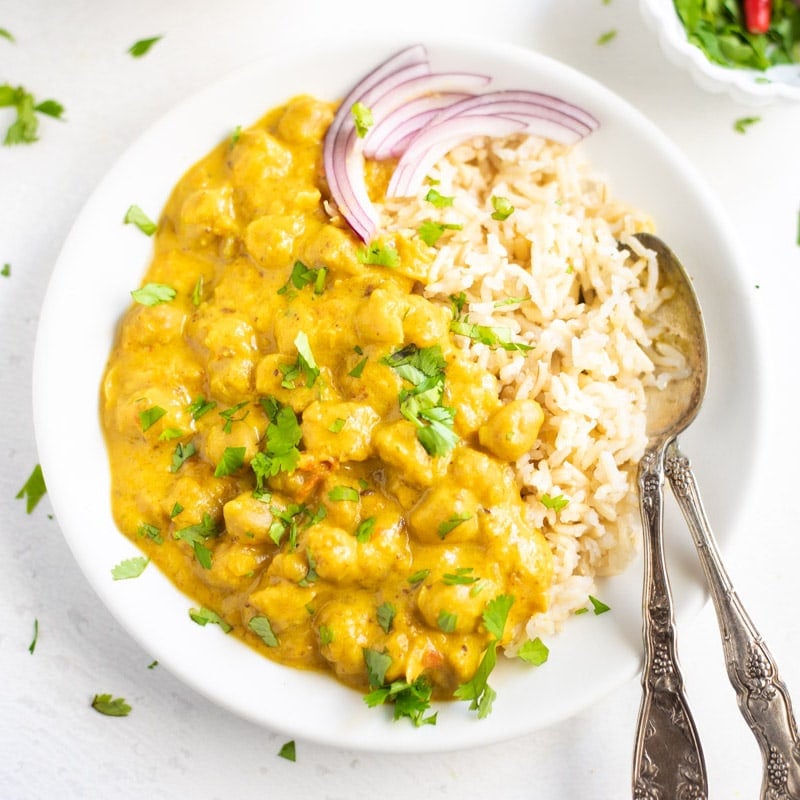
757	15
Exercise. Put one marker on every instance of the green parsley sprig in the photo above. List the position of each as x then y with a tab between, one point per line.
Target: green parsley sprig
25	127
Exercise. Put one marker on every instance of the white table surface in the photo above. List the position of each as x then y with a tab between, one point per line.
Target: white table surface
176	744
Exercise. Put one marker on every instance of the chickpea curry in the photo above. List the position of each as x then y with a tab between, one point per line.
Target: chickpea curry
296	441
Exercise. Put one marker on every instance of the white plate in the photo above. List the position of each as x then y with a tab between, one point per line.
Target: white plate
102	260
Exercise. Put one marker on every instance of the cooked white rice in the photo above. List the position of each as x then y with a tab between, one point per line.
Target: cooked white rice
584	301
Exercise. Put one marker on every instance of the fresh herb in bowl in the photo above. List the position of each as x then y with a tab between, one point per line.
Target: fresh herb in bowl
744	34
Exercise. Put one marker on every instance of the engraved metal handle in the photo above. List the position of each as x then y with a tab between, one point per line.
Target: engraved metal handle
668	759
763	698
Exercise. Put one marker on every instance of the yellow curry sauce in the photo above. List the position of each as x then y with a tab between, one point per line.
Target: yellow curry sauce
360	539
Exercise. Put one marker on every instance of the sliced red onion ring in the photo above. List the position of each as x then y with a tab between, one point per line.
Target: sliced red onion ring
435	141
419	116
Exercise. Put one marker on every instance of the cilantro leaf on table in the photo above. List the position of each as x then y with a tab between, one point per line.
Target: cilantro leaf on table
25	127
141	47
129	568
110	706
33	490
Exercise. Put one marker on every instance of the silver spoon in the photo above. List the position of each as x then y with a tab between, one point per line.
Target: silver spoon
668	759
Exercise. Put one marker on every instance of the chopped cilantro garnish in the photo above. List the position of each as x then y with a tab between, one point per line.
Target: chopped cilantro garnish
303	276
135	216
181	454
152	665
502	208
512	301
340	493
231	461
743	123
430	232
7	35
6	271
110	706
205	616
149	416
477	689
311	573
235	135
365	529
33	490
362	117
129	568
305	366
461	577
358	368
556	503
534	652
438	200
410	700
291	520
168	434
151	531
26	125
197	291
424	369
606	37
378	255
138	49
598	606
280	452
326	634
262	627
200	406
34	641
337	425
418	576
152	294
386	613
490	336
288	751
377	663
447	621
229	415
196	536
451	524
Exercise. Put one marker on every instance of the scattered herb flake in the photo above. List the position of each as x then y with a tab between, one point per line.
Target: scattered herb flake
262	627
556	503
493	337
140	48
197	291
380	255
129	568
205	616
200	406
606	37
598	606
340	493
534	652
135	216
7	35
461	577
326	635
181	454
235	135
447	621
151	294
302	276
377	664
232	460
743	123
386	613
362	117
32	645
410	700
149	416
280	452
365	529
418	576
288	751
438	200
33	490
358	368
151	531
26	125
337	425
502	208
110	706
449	525
152	665
6	271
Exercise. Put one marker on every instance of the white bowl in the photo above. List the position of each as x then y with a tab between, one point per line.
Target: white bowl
594	654
747	86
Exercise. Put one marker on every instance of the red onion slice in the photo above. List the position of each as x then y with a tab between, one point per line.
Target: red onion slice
435	141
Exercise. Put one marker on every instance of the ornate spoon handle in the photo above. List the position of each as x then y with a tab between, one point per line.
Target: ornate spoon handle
763	698
668	759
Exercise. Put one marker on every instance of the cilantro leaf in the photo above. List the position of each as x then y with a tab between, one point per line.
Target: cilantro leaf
6	271
362	117
200	406
280	452
183	452
262	627
302	276
288	751
129	568
7	35
606	37
232	460
477	689
534	652
435	198
556	503
447	621
33	490
197	535
743	123
365	529
598	606
151	532
386	613
379	255
377	664
461	577
149	416
410	700
140	48
135	216
430	232
343	493
25	127
449	525
205	616
34	641
502	208
497	336
151	294
495	614
110	706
